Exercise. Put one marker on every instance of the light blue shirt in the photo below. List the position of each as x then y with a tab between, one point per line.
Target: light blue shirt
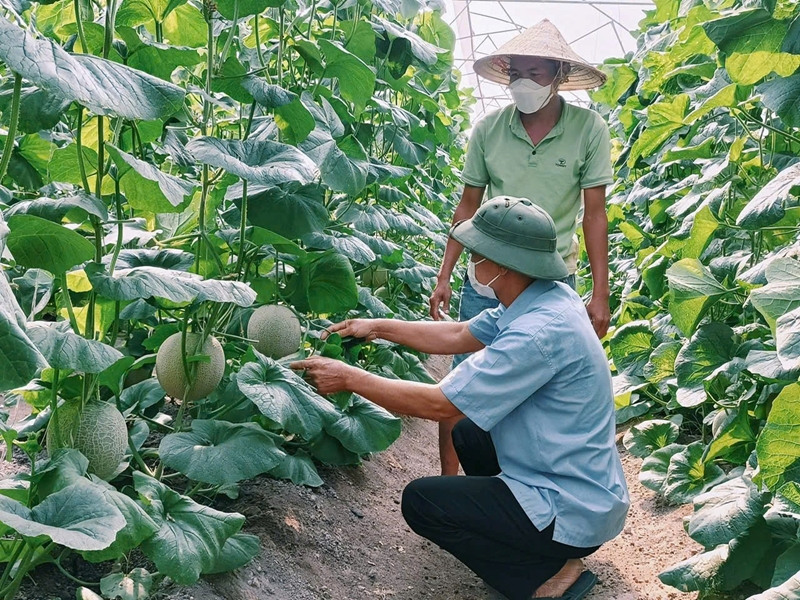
542	389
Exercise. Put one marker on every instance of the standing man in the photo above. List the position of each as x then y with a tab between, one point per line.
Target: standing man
544	485
541	148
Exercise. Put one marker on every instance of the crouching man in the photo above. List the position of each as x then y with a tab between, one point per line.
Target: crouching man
544	485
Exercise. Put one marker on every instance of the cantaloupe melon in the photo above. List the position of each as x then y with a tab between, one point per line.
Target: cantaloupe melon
375	278
99	433
277	330
207	375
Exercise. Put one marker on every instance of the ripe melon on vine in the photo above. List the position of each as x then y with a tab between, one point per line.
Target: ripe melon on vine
207	375
98	432
276	329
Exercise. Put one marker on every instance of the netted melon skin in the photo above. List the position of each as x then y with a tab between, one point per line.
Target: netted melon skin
101	435
277	330
169	366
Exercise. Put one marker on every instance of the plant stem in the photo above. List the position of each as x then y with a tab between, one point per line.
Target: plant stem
10	565
258	44
242	230
70	576
280	50
79	23
12	128
68	303
79	143
231	35
311	18
159	32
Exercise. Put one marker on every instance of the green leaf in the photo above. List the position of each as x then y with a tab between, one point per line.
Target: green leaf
710	348
789	590
346	245
138	525
688	476
20	360
778	446
246	7
725	512
177	286
291	115
729	96
724	568
783	515
731	437
191	535
77	517
786	566
262	162
147	188
654	469
782	294
64	349
65	467
663	120
167	258
138	12
102	86
644	439
325	284
787	339
285	398
74	208
360	39
631	346
41	244
424	51
154	58
221	453
135	585
365	427
239	549
782	96
693	290
619	80
329	450
38	109
769	205
704	225
291	211
299	469
356	79
661	365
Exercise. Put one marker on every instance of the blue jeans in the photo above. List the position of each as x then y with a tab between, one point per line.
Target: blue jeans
473	304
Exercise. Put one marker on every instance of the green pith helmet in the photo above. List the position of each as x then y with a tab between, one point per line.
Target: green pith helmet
516	234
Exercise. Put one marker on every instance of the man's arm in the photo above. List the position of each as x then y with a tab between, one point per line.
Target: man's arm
595	233
466	209
422	336
421	400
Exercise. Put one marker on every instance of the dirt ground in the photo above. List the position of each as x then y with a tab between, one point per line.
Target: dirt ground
348	540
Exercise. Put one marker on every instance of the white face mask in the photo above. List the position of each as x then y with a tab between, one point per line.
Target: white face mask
483	289
529	96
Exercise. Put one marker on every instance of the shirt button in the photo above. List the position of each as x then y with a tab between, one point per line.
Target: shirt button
534	152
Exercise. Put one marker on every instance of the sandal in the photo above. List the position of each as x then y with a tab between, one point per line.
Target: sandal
577	590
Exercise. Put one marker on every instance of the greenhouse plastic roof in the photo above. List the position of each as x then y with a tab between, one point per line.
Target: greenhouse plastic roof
596	30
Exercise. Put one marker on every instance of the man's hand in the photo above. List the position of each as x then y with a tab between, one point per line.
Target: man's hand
327	375
440	300
599	314
356	328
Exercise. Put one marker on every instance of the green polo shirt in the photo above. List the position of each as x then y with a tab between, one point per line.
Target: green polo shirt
575	155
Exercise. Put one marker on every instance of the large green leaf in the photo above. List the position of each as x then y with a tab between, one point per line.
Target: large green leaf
661	365
76	517
631	346
299	469
688	476
65	349
783	515
663	120
38	243
710	348
148	188
154	58
285	398
102	86
645	438
227	8
73	208
239	549
619	80
177	286
736	433
782	294
778	446
135	585
365	427
20	360
787	338
789	590
291	115
782	96
693	290
262	162
356	79
721	569
325	283
725	512
291	211
426	52
346	245
654	468
769	205
221	453
191	535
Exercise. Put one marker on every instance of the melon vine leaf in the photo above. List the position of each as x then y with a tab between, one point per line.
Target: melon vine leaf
239	550
645	438
365	427
38	243
299	469
64	349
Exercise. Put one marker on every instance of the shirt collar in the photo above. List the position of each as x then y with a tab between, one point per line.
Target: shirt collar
518	129
525	301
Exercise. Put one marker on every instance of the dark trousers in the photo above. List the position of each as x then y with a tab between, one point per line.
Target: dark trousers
479	521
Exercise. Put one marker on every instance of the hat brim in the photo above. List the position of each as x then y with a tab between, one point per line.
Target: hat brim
581	76
533	263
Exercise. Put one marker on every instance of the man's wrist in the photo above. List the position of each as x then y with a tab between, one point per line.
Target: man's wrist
353	378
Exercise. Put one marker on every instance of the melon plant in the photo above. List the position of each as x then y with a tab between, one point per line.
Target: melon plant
98	432
207	375
276	330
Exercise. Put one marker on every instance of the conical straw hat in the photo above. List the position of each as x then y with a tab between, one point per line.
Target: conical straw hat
545	41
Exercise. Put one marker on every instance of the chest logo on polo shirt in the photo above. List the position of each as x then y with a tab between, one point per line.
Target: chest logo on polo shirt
562	162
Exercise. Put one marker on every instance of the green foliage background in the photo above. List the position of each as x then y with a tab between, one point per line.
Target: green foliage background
705	221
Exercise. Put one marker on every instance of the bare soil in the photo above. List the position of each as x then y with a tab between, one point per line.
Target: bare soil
348	541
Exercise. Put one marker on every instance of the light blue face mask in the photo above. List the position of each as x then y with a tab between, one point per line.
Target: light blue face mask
484	289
